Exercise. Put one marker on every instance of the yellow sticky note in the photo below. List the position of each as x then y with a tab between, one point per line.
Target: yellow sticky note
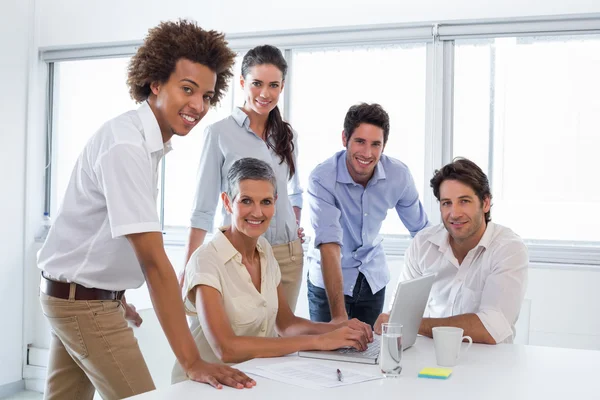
435	373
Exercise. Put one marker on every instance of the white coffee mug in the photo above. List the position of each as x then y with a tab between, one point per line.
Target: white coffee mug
447	340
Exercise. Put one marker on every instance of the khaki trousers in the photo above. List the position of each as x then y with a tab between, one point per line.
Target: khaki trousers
93	348
290	257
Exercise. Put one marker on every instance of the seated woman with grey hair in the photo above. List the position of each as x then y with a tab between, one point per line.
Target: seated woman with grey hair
232	284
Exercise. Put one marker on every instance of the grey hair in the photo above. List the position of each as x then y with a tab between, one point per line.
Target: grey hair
248	168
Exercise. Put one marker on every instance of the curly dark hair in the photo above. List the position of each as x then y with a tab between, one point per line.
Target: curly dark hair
365	113
467	172
169	42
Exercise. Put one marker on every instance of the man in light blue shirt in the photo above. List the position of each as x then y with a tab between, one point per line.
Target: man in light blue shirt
349	196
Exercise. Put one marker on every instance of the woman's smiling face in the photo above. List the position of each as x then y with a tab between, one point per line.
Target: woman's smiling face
252	208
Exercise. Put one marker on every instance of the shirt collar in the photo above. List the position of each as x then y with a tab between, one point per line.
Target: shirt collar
486	239
152	130
441	238
343	175
379	173
240	117
225	249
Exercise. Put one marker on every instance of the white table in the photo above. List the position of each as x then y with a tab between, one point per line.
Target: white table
486	372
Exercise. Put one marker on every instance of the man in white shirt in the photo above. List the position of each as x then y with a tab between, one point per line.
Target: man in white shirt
107	235
481	266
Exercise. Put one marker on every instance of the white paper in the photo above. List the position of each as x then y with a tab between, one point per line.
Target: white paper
310	374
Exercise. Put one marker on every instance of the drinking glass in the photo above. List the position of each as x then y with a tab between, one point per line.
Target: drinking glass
390	357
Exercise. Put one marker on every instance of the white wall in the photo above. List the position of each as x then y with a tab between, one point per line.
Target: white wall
16	24
67	22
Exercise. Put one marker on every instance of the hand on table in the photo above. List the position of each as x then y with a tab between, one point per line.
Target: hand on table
218	375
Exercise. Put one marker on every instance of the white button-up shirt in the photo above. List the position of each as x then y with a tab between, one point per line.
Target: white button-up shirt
112	193
490	282
251	313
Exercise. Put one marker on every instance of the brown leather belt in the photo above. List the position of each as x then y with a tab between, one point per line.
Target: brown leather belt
61	290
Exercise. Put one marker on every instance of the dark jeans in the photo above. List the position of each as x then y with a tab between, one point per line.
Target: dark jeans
363	304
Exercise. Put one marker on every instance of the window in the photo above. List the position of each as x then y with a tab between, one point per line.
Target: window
526	109
87	94
325	83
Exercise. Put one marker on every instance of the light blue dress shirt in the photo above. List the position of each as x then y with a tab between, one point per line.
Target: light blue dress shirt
225	142
344	212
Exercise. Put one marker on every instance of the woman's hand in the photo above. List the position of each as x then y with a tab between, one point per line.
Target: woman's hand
132	315
301	234
359	326
343	337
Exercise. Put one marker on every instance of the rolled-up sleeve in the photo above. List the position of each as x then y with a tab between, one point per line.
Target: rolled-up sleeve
294	189
409	208
503	292
208	183
324	215
124	173
411	268
202	269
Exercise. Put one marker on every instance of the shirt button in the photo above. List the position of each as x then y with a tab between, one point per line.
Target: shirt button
366	214
293	258
263	330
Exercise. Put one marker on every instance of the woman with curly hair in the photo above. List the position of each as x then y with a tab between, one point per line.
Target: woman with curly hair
107	238
256	130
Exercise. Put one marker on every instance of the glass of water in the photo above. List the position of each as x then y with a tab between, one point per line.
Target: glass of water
390	358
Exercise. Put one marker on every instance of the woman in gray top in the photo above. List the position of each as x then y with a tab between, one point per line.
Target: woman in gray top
256	130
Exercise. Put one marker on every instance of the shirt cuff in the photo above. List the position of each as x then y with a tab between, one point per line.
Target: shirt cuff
141	227
202	220
496	324
296	200
328	237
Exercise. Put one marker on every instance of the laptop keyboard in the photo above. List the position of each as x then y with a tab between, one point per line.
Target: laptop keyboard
372	350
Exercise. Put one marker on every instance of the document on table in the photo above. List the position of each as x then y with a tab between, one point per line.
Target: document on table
310	374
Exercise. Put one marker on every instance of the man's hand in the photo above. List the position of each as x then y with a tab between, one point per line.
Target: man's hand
218	375
382	319
357	325
132	315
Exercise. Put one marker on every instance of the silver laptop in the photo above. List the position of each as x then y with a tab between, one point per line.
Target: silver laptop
409	305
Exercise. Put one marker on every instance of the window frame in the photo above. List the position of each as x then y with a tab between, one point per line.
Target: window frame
440	41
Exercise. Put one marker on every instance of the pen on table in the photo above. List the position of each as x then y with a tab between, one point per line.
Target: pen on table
340	376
